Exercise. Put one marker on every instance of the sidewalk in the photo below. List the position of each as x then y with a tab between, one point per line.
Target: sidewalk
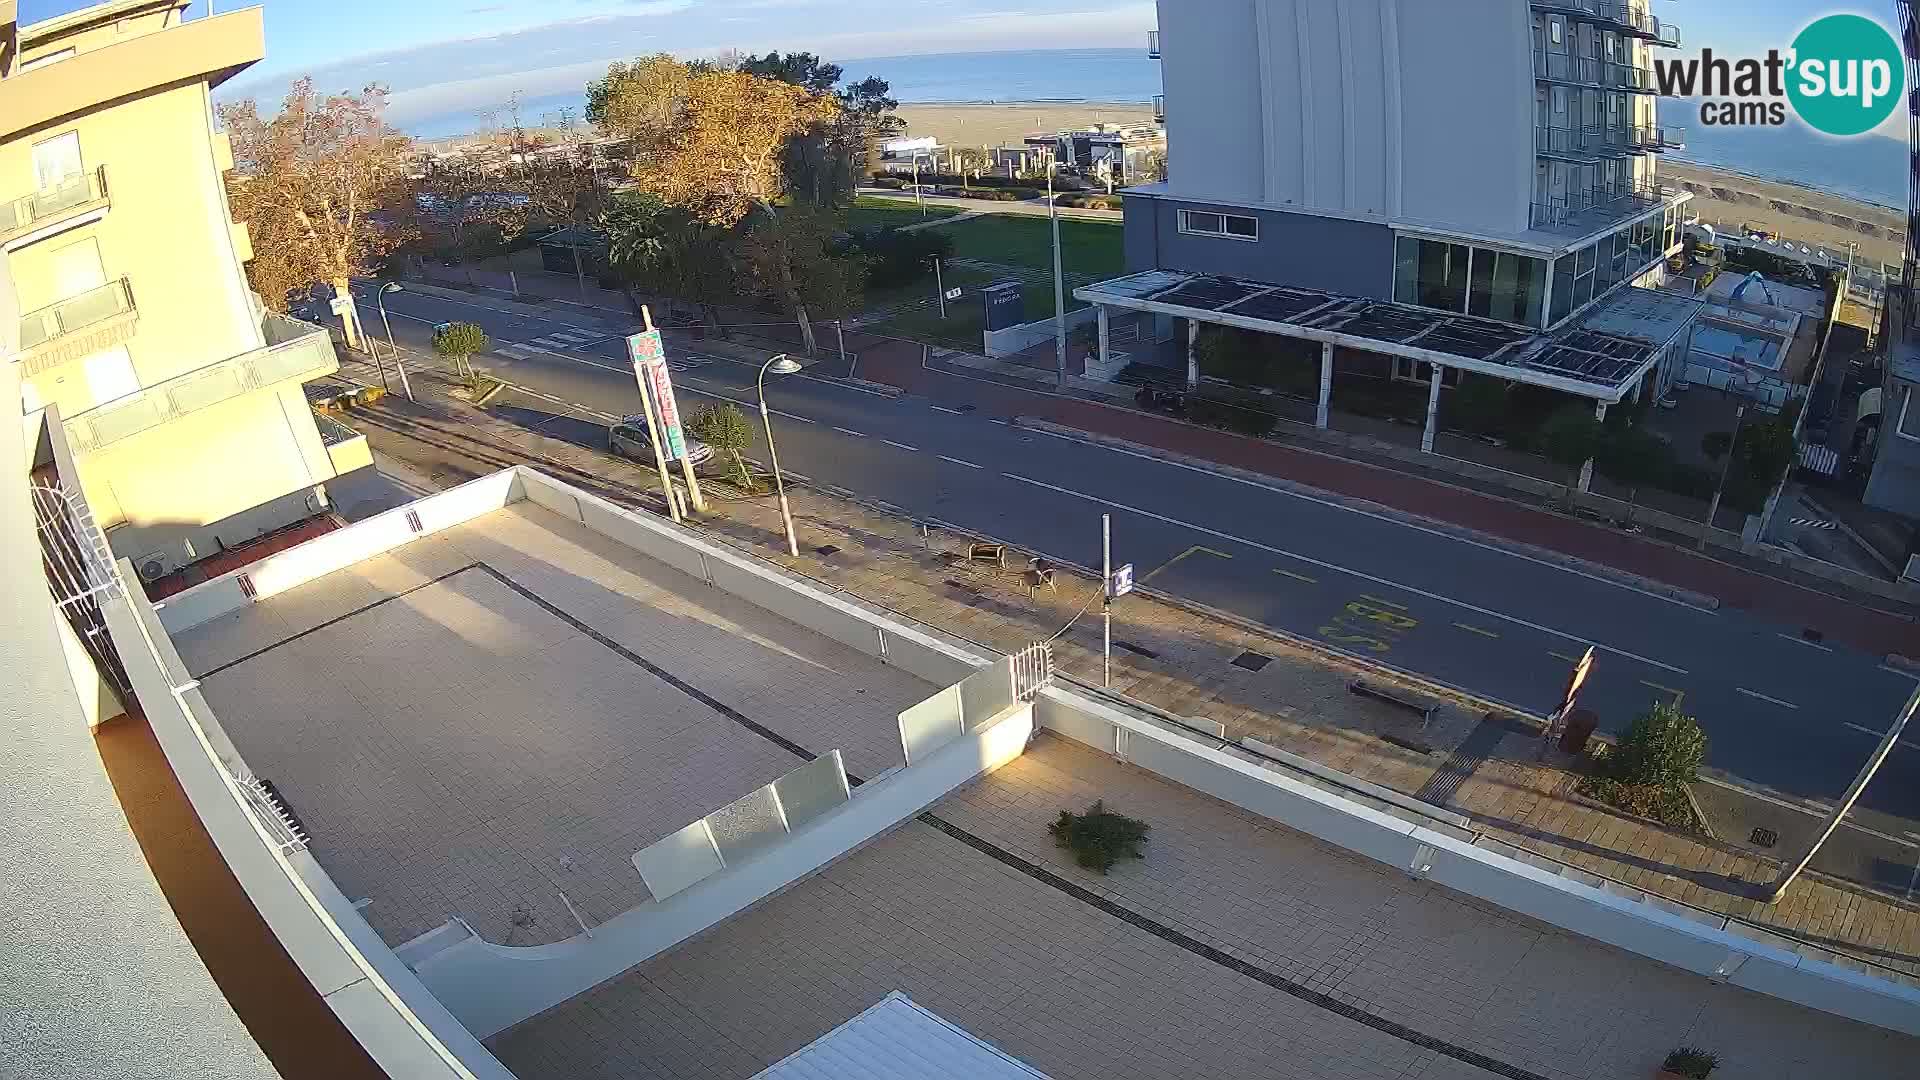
1481	767
1845	618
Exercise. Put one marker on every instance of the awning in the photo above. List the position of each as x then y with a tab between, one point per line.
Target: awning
898	1040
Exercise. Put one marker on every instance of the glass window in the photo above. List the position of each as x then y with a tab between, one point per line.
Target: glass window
1556	30
1480	291
57	160
1605	270
1199	221
1584	261
1244	227
1443	275
1582	290
1562	289
1517	286
1406	270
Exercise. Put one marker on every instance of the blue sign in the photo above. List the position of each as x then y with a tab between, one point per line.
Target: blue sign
1121	583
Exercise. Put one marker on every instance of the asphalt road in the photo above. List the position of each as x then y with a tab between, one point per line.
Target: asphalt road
1786	716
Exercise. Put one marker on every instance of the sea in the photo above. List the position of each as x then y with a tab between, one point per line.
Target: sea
1872	168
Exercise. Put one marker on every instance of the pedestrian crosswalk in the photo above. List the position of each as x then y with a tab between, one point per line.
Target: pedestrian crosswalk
513	351
570	339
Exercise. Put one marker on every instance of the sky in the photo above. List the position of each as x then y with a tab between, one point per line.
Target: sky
440	56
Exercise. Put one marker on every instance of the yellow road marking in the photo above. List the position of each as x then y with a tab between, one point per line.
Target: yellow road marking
1194	550
1383	603
1476	630
1296	577
1677	694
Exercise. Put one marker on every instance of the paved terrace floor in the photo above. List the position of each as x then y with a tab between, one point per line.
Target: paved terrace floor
1234	949
477	720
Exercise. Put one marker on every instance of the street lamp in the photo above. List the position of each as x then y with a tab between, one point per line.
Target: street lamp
779	365
381	299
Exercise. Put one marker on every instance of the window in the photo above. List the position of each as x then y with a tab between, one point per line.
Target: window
1562	289
1420	371
1556	30
1443	275
1209	223
57	160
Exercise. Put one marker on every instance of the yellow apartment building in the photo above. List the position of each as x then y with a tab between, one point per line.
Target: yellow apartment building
182	396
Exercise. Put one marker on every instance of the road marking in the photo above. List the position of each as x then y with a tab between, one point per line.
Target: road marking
1168	565
1797	639
849	431
1891	670
897	445
1677	694
1563	656
1476	630
944	409
1763	697
957	461
1810	807
1375	516
1296	577
1343	570
1865	730
1383	603
991	420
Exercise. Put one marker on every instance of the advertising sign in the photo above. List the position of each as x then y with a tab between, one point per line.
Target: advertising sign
649	356
1121	583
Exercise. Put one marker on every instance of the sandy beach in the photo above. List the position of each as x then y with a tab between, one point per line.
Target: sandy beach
1726	199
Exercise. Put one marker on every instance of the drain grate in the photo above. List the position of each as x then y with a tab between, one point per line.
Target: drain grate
1137	650
1765	837
827	549
1252	661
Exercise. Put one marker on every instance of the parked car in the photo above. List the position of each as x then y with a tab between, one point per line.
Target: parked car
628	439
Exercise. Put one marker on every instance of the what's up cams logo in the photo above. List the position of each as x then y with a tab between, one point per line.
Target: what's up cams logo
1843	76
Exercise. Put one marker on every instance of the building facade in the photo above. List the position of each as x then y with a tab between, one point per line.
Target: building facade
181	395
1490	157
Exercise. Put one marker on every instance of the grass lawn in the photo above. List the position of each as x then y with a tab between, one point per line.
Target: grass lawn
1086	247
966	319
871	212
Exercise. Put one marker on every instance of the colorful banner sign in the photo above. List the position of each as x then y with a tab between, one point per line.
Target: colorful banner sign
649	354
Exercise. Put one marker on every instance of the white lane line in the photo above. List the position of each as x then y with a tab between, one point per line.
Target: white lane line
901	446
850	431
1003	423
1351	573
944	409
683	388
1803	641
1765	698
957	461
1369	514
1865	730
1891	670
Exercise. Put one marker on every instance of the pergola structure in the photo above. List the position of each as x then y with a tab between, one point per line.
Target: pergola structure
1601	365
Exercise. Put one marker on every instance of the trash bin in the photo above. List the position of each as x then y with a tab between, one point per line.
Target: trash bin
1580	725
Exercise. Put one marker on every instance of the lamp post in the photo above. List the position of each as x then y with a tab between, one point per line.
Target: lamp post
779	365
1713	508
381	299
1059	291
918	193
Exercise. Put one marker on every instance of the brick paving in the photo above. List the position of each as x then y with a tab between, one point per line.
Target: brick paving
1234	948
1299	702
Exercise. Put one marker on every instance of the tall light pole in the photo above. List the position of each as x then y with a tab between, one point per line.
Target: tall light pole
1059	291
1872	766
779	365
918	193
381	299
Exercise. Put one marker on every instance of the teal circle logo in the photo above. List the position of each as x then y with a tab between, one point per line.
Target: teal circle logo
1846	74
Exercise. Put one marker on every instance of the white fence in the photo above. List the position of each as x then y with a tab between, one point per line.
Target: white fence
1015	339
741	829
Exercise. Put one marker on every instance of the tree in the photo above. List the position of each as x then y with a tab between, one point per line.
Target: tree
1715	444
823	164
1631	457
791	258
661	249
306	183
1569	438
459	341
1763	455
725	428
1663	747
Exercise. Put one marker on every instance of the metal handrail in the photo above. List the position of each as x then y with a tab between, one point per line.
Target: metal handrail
1567	67
75	313
48	204
1153	44
1159	106
1622	75
1666	33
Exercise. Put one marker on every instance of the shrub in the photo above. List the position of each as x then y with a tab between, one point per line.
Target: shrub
1217	409
457	342
1089	201
1479	404
899	257
1691	1062
890	182
1648	771
1099	838
725	428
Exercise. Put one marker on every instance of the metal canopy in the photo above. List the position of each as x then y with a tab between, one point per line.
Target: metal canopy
1578	361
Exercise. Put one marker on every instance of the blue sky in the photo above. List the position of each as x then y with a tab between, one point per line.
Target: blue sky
442	55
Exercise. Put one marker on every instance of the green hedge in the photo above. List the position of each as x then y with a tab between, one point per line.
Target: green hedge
888	181
1087	201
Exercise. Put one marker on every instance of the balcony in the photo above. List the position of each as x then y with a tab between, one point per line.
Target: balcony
1153	44
295	351
1160	108
78	326
1613	14
1628	77
346	448
1581	212
46	212
1666	34
1567	68
1670	137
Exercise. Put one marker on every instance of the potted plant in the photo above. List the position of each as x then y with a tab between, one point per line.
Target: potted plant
1690	1062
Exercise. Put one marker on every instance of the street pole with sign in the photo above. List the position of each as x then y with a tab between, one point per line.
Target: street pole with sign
669	412
1114	584
939	287
1557	720
639	347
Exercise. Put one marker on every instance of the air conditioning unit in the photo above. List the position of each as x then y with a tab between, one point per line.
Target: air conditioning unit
153	566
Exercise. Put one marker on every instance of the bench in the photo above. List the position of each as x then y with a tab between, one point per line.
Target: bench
1393	697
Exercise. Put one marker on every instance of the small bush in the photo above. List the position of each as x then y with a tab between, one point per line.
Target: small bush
1647	773
1691	1062
1213	408
899	257
891	183
1099	838
1088	201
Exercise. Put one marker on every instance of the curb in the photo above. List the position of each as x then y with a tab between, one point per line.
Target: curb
1548	555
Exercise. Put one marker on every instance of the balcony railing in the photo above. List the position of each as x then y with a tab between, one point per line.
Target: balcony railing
1666	34
48	325
1160	107
1670	137
1590	211
1567	68
294	351
78	195
1628	77
1153	44
1613	13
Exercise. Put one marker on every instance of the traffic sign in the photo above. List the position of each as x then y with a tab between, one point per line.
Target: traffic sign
954	294
1121	583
